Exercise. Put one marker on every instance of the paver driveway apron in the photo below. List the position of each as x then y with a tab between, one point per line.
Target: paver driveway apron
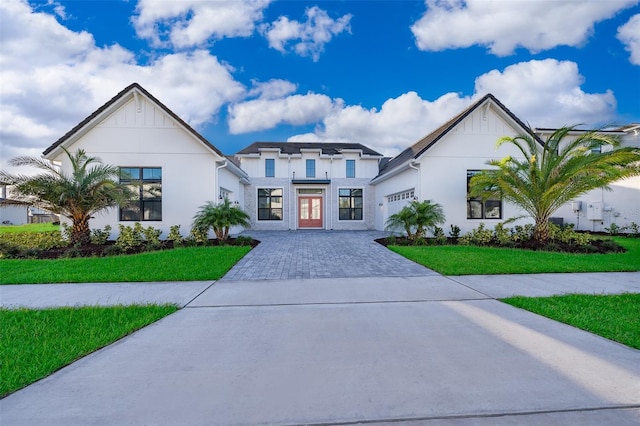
321	254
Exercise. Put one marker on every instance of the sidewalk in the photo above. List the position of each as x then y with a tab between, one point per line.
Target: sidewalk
427	350
323	290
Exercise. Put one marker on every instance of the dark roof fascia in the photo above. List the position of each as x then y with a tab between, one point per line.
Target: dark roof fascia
115	99
416	151
11	202
296	148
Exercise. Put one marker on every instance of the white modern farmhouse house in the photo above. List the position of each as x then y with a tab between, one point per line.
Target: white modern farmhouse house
175	169
332	186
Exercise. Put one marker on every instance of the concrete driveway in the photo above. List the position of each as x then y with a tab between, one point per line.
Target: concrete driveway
404	350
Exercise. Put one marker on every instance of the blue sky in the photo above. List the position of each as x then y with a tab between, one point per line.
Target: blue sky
381	73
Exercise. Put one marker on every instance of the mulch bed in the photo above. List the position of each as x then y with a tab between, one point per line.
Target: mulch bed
101	250
595	246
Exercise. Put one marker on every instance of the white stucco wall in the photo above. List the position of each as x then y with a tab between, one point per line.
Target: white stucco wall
332	168
148	137
442	177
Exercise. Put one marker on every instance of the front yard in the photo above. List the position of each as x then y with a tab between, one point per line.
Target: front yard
180	264
474	260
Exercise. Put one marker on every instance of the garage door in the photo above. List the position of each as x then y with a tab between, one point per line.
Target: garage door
395	202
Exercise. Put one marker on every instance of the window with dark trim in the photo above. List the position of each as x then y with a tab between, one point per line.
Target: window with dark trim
311	168
146	184
350	204
270	204
269	167
479	209
351	168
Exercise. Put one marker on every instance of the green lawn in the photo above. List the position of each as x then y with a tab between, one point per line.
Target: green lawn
36	343
34	227
471	260
616	317
181	264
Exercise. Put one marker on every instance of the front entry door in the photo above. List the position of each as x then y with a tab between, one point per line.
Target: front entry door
310	212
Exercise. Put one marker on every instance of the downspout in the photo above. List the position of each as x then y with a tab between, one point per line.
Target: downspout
414	166
217	190
330	201
291	217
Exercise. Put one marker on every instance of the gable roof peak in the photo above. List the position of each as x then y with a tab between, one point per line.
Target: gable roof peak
418	148
90	121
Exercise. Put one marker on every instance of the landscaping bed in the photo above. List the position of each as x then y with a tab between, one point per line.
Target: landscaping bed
594	246
109	248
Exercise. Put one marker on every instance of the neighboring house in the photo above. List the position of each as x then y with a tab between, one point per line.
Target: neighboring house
597	210
172	168
332	186
310	185
13	212
16	212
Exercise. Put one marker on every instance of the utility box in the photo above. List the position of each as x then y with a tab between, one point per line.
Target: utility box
576	206
594	210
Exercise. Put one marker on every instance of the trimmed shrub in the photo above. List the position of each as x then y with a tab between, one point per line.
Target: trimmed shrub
34	240
100	236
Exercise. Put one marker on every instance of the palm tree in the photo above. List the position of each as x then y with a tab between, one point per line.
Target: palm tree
418	216
221	217
86	191
556	172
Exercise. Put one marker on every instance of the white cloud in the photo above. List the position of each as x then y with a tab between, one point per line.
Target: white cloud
272	89
629	35
305	38
503	26
399	123
189	23
542	93
547	93
52	78
262	114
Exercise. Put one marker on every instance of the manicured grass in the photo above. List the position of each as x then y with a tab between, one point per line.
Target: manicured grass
471	260
616	317
181	264
34	227
35	343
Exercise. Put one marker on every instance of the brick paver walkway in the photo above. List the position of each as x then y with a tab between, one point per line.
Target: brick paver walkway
321	254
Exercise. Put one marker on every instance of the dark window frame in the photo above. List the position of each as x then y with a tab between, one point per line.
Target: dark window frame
351	171
267	197
486	208
350	204
310	168
269	167
147	205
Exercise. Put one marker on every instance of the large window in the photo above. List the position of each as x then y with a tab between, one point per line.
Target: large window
351	168
311	168
146	183
270	204
479	209
350	204
269	167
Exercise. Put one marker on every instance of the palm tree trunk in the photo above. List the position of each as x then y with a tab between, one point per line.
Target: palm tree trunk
541	232
80	231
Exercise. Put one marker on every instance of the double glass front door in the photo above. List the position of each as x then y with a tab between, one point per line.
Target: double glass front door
310	212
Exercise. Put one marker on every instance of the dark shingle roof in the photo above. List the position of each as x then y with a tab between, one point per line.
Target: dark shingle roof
112	101
417	149
328	148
